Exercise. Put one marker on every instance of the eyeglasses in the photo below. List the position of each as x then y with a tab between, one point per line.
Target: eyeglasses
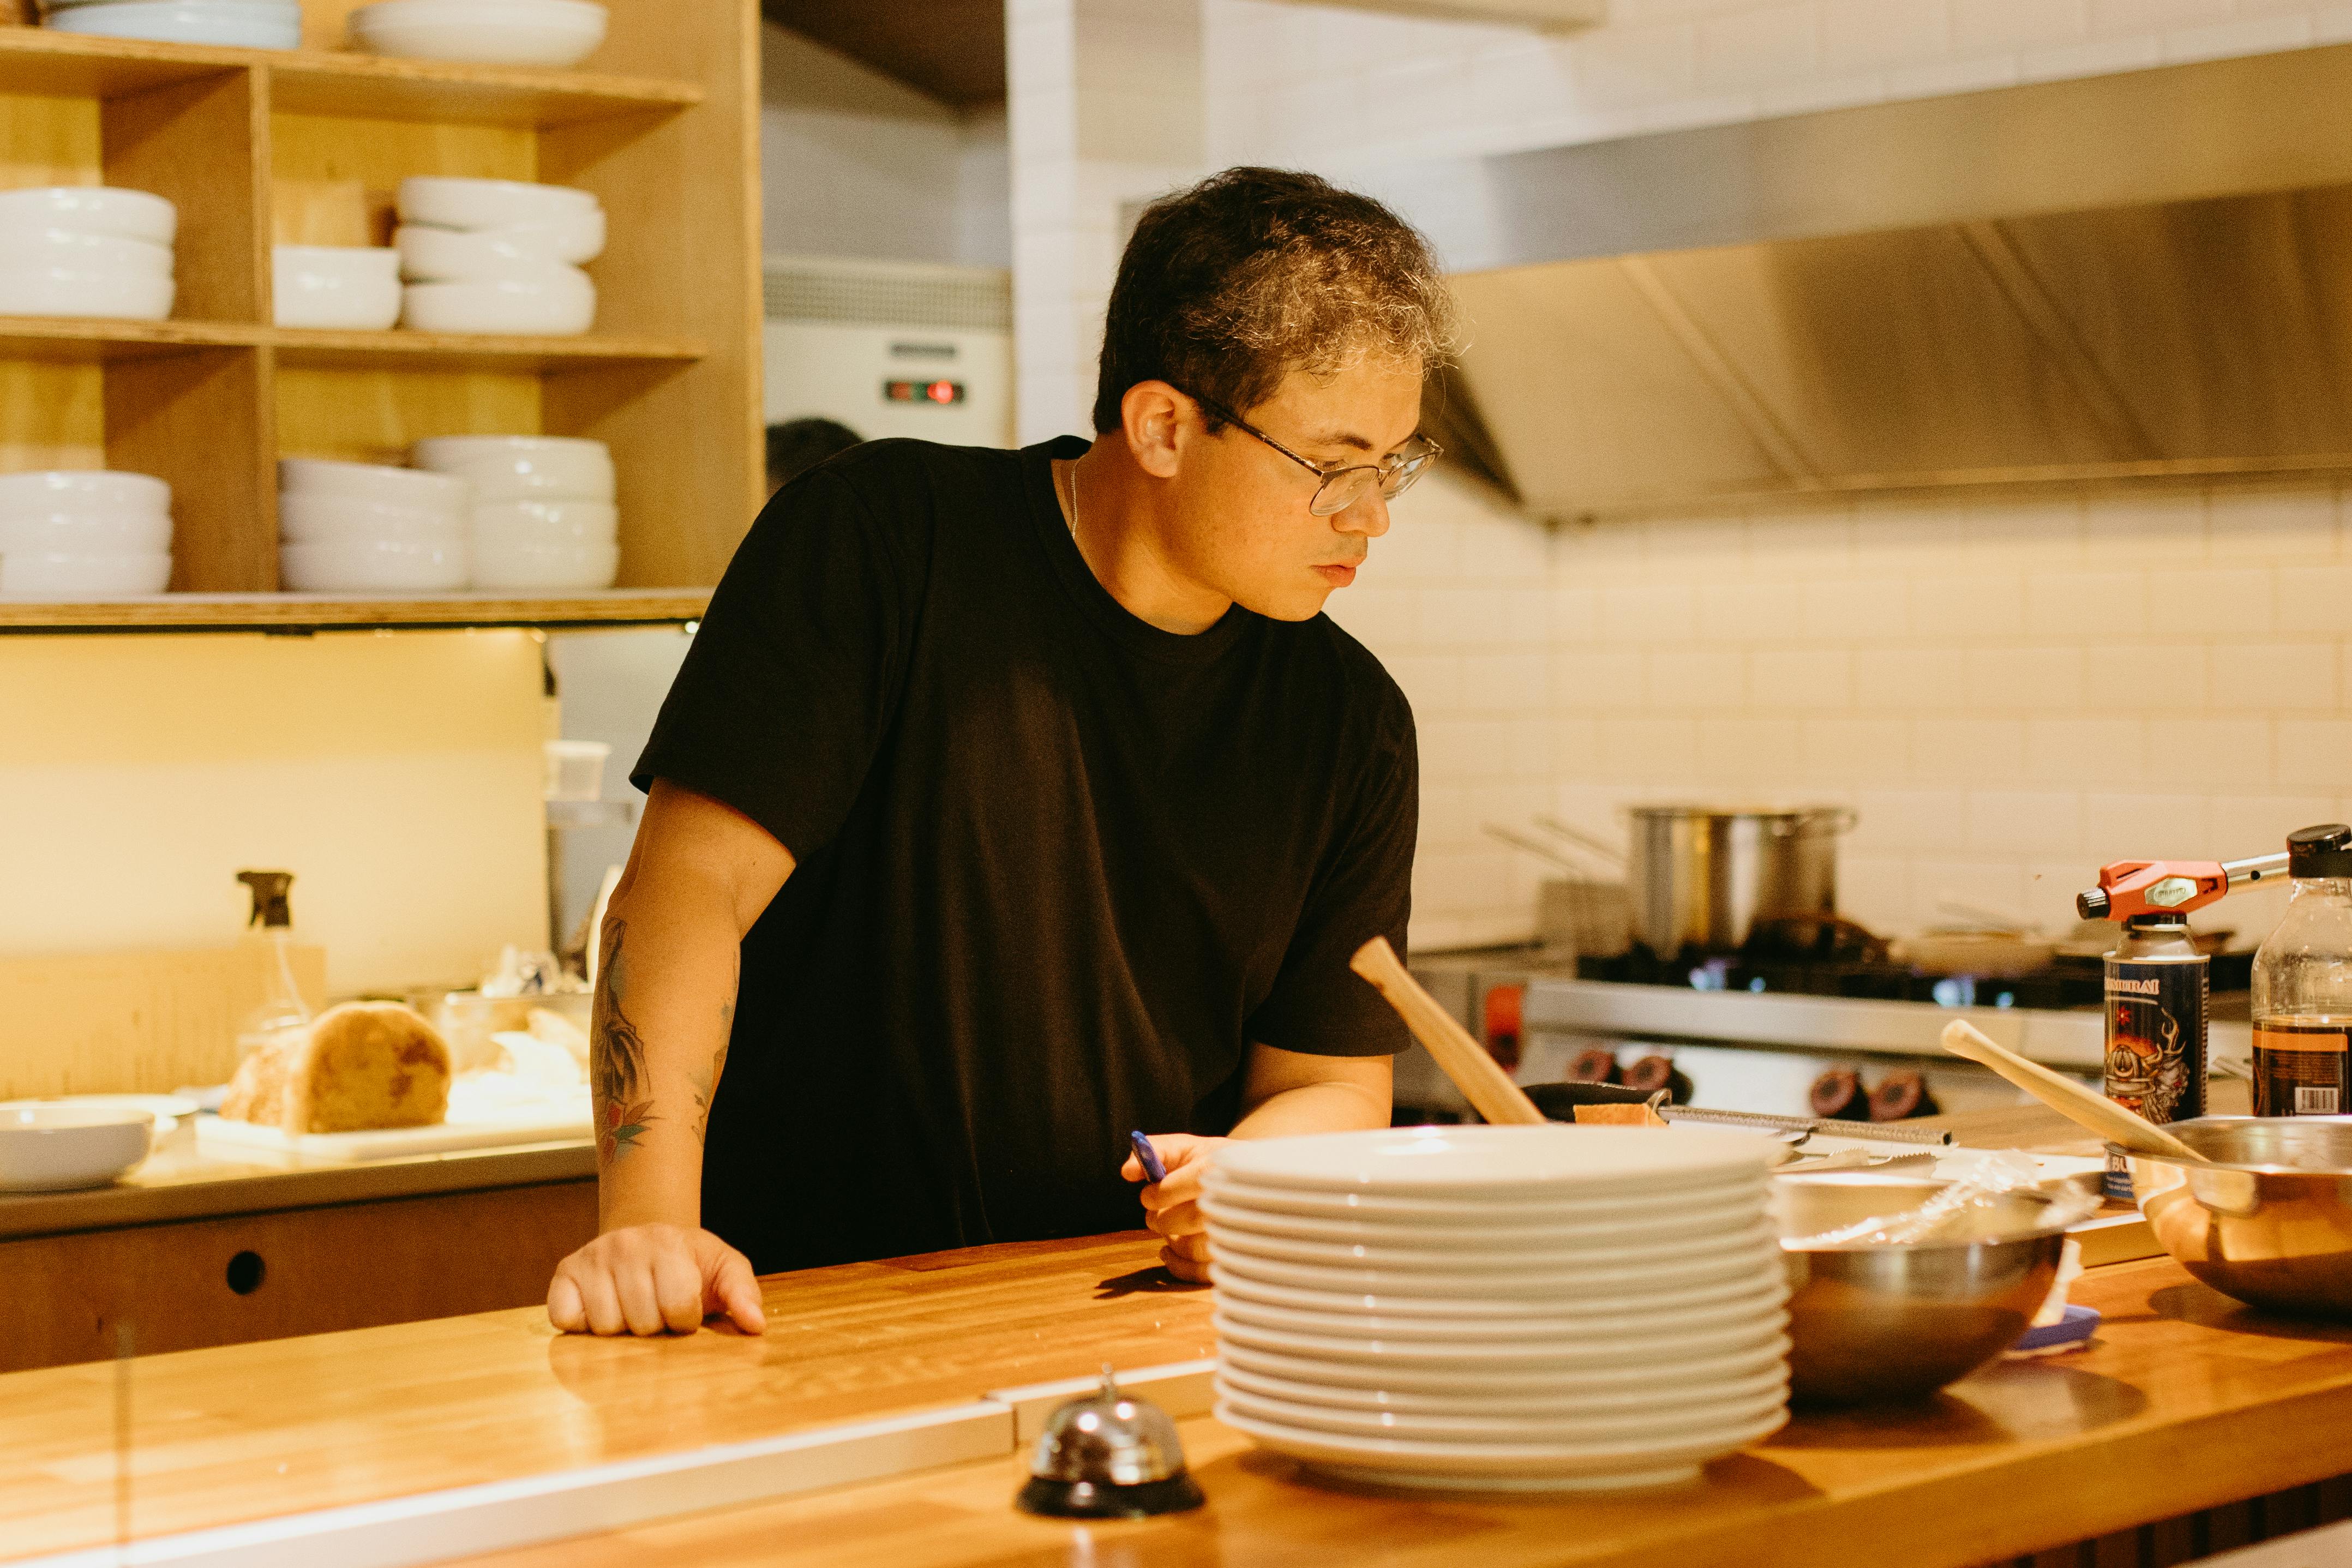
1343	486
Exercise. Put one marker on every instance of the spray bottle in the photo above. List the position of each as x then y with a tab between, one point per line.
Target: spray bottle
284	1011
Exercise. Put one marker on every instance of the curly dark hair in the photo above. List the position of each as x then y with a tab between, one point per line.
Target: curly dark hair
1253	273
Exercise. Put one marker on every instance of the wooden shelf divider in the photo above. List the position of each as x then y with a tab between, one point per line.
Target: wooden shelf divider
298	612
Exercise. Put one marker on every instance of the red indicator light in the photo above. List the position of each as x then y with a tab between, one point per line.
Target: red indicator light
943	392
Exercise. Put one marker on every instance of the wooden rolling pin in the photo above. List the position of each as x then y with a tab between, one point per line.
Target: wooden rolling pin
1480	1078
2063	1095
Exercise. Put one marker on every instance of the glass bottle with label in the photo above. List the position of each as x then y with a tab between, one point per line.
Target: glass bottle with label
2303	984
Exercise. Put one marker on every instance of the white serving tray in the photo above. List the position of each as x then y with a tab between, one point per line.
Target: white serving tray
217	1134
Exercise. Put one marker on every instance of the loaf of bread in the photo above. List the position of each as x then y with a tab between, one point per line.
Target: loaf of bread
360	1066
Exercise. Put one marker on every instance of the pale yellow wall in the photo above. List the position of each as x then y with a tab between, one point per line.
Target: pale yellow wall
397	776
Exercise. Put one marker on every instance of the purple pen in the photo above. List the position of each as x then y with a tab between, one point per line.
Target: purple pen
1150	1157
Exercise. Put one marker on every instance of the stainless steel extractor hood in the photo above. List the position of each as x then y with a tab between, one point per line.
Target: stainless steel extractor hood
2144	274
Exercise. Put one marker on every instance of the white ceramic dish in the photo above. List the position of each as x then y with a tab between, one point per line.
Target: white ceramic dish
43	491
58	1147
1548	1285
1596	1226
82	250
1466	1161
543	307
90	209
1509	1466
167	1109
377	482
1749	1333
232	24
334	519
354	288
1762	1301
1670	1425
1433	1253
521	467
1238	1284
428	255
59	574
1499	1209
369	565
1603	1400
87	533
545	567
512	523
115	293
452	203
1669	1371
577	238
489	32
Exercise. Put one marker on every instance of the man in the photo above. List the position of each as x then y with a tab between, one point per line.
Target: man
1030	798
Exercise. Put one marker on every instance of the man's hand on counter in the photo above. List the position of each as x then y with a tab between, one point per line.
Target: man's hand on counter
652	1279
1171	1207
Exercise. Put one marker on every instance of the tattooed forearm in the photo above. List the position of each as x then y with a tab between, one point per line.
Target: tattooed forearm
706	1084
616	1053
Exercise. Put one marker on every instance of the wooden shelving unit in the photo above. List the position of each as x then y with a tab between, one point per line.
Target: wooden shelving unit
261	147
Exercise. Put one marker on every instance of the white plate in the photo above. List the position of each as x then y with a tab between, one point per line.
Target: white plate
57	575
1511	1466
523	468
488	32
1670	1253
87	533
331	519
529	567
1245	1285
1751	1333
167	1109
1557	1160
1647	1394
1633	1238
1543	1285
118	295
1506	1225
1498	1209
235	25
501	307
1470	1382
91	209
377	482
369	565
450	202
1629	1427
81	248
1765	1297
48	490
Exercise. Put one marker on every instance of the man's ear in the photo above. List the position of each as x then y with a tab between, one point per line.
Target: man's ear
1154	416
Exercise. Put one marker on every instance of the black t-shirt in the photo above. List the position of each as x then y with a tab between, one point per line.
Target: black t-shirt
1055	868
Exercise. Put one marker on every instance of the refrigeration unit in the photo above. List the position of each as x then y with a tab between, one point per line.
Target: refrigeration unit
891	349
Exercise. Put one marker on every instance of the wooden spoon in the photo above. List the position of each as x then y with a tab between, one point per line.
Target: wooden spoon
2068	1098
1480	1078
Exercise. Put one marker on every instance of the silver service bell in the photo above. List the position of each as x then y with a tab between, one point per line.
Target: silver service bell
1108	1456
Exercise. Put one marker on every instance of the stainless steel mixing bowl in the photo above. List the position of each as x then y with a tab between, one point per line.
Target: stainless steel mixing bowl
2270	1221
1873	1322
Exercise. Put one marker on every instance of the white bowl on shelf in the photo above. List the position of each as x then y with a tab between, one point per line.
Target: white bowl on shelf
57	1148
375	566
451	203
381	481
87	533
332	519
62	574
47	490
544	523
234	24
90	209
116	295
545	567
546	308
430	255
347	287
488	32
521	467
82	250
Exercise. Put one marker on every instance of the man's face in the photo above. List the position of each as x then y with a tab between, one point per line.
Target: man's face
1244	525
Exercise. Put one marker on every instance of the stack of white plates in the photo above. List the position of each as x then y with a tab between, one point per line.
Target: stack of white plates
84	534
498	255
1499	1307
352	286
365	528
86	250
240	23
543	518
490	32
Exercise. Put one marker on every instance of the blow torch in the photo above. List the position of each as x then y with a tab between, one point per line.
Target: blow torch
2129	888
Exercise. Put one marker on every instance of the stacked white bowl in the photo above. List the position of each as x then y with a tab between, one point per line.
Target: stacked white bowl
490	32
498	255
543	514
239	24
86	250
1515	1308
367	527
84	534
354	286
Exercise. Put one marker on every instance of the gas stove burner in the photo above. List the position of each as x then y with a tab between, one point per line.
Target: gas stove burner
2064	982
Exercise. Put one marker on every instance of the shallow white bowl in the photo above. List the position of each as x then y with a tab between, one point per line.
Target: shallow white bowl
47	490
1763	1301
61	574
82	251
116	294
544	307
525	523
1549	1283
91	209
57	1147
1489	1208
1671	1425
1589	1225
490	32
521	467
454	203
1235	1286
1745	1382
397	566
429	255
350	287
167	1109
234	24
1469	1260
87	533
1693	1376
336	262
331	519
1466	1161
545	567
444	493
1750	1332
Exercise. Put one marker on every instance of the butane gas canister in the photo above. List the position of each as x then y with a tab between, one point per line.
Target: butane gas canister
2157	983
